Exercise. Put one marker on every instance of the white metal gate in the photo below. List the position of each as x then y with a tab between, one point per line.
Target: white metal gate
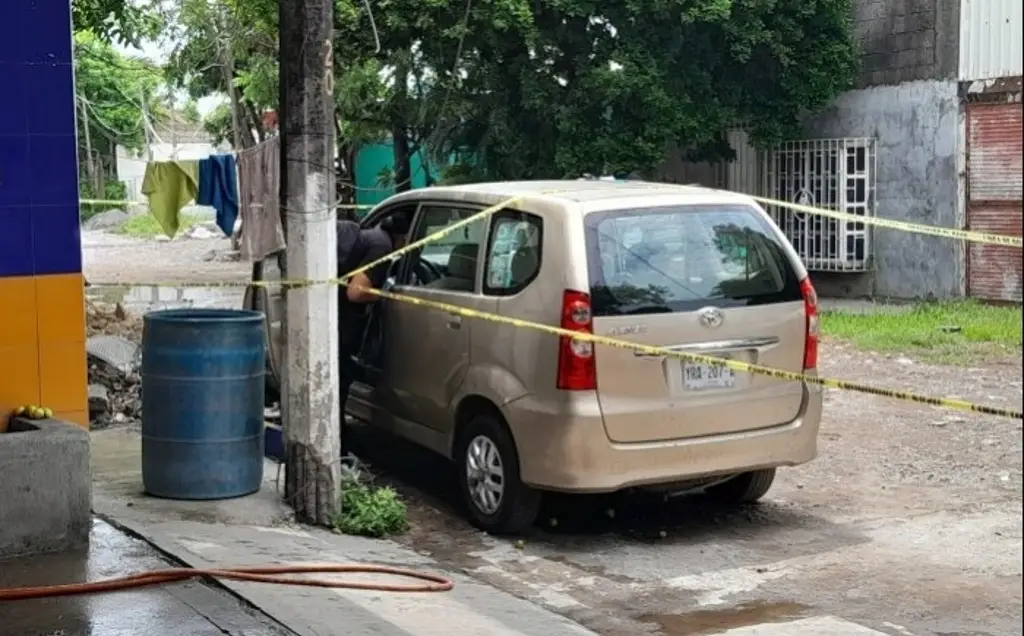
835	174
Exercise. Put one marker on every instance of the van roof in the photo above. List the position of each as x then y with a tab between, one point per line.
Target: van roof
580	191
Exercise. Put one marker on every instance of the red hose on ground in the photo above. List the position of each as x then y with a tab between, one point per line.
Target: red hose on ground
269	574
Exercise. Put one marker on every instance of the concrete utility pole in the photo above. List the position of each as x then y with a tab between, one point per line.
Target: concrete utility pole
312	413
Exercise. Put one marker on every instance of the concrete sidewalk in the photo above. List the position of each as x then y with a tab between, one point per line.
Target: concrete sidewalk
191	608
257	530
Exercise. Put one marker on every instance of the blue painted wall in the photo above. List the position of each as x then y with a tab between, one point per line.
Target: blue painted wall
373	158
42	324
38	151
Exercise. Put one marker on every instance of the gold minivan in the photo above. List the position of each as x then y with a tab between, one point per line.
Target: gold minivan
522	412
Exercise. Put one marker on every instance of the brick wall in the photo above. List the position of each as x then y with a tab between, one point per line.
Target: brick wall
907	40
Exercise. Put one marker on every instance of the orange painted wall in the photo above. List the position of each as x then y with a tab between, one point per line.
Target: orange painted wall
42	323
42	346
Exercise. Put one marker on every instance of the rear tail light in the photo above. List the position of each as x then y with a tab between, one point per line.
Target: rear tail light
576	365
813	324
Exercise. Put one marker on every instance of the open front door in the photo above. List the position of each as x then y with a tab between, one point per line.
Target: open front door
370	397
427	351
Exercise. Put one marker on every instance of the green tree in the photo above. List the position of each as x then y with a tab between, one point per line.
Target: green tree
121	21
218	49
190	112
110	91
544	88
605	87
217	124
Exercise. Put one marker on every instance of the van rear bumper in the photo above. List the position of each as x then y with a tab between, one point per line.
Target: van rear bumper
568	450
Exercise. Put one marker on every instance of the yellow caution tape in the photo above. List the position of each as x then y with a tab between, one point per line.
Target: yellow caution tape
304	282
915	228
743	367
118	202
903	226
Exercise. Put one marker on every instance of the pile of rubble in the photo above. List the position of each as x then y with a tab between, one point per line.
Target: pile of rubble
114	382
111	319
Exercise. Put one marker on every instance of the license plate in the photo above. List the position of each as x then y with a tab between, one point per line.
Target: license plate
698	376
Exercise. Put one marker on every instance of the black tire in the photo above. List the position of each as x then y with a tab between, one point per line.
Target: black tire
519	504
744	488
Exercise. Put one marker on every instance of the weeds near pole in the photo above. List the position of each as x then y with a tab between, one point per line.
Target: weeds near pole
370	511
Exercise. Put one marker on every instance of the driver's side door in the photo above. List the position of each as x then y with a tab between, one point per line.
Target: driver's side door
370	398
426	351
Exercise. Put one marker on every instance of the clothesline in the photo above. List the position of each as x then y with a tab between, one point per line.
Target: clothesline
241	186
125	202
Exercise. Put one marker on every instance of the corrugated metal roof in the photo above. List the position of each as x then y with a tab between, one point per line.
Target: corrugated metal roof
991	39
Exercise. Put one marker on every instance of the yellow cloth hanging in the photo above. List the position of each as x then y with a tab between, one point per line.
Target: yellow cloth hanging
170	186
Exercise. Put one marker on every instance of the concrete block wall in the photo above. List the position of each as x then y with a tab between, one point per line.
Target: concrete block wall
907	100
907	40
42	325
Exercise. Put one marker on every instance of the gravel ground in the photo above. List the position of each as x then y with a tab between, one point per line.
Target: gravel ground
909	522
111	258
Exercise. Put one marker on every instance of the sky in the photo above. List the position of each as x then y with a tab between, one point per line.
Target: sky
158	53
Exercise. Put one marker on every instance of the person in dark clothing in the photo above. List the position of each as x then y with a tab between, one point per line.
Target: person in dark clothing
358	247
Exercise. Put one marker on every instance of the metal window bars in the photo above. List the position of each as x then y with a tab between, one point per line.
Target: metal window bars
836	174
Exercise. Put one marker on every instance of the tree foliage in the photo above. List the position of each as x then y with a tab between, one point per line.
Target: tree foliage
217	49
541	88
110	88
121	21
606	87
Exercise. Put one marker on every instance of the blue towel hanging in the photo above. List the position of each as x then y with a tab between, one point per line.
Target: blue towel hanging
218	188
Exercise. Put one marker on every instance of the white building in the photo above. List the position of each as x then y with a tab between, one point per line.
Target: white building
174	139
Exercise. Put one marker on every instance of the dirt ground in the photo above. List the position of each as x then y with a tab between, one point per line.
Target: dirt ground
111	258
908	523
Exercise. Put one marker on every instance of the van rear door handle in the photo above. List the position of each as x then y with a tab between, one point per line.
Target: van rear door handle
703	348
454	321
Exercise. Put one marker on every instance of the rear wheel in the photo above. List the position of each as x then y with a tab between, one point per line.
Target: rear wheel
745	487
497	499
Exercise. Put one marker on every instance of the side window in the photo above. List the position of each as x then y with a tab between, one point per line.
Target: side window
450	262
347	260
513	255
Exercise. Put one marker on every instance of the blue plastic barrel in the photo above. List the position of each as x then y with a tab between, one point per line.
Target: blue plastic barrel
202	403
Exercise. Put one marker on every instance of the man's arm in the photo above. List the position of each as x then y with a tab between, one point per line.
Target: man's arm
372	278
357	286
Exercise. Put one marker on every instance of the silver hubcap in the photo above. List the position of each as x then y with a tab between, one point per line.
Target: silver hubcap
485	474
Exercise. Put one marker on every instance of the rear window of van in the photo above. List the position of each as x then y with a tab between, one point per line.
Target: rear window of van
683	258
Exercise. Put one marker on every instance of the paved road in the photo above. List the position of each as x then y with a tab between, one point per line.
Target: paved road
184	609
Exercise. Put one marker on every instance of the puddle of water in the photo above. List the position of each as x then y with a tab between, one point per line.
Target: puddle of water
150	298
706	622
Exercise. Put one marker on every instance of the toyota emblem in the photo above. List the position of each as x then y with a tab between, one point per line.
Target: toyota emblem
711	317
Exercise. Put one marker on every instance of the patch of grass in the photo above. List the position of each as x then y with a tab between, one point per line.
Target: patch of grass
371	511
145	226
957	332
